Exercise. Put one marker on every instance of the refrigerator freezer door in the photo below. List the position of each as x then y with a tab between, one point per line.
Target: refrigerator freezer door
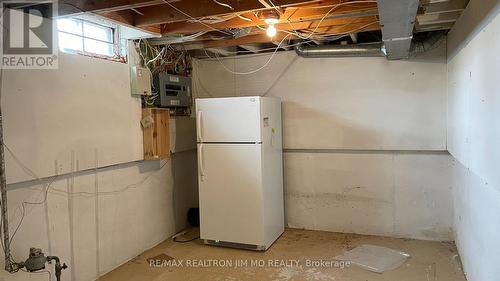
228	120
230	189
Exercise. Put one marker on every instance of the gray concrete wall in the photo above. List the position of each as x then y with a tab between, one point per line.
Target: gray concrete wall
74	122
365	138
400	194
473	137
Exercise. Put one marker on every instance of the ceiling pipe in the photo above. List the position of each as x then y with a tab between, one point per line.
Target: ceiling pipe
328	51
368	49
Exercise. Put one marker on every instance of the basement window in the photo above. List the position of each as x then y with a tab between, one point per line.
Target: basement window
88	38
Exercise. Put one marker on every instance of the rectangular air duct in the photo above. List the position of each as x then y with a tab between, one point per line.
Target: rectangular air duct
397	18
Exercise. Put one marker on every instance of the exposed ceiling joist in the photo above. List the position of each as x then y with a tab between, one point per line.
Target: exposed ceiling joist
221	51
251	48
120	11
263	38
72	7
326	33
445	7
265	4
426	19
434	27
284	45
126	17
294	20
203	8
346	26
323	17
224	23
250	39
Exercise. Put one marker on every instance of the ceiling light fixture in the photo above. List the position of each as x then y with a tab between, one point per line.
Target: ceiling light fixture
271	30
271	18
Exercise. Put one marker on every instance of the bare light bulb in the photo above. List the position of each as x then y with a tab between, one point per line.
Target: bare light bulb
271	30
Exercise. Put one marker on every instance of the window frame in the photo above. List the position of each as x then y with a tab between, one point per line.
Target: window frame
117	56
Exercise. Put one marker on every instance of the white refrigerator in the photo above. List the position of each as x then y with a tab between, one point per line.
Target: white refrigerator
240	171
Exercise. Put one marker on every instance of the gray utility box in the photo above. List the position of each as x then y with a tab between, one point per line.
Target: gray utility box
140	81
174	90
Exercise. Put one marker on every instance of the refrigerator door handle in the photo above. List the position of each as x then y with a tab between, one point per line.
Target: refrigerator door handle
200	159
198	125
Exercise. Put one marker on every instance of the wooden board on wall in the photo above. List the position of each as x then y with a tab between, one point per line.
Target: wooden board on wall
156	136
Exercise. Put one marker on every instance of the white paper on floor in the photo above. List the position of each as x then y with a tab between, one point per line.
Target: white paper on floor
374	258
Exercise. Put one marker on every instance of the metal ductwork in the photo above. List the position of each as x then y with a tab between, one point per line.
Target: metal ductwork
431	42
327	51
368	49
397	18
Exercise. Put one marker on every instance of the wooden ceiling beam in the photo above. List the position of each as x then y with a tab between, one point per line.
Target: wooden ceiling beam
221	51
203	8
347	27
74	7
265	4
291	15
126	17
325	23
332	7
426	19
250	39
262	37
285	46
326	27
368	24
444	6
251	48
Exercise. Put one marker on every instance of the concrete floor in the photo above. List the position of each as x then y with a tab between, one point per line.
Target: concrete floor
429	261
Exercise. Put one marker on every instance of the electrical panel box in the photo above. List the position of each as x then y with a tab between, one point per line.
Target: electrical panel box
174	90
140	79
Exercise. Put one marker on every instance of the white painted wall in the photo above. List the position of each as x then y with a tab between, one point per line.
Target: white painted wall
473	137
365	139
81	112
73	118
343	103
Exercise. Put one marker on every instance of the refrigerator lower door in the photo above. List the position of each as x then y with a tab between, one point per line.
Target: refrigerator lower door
230	192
